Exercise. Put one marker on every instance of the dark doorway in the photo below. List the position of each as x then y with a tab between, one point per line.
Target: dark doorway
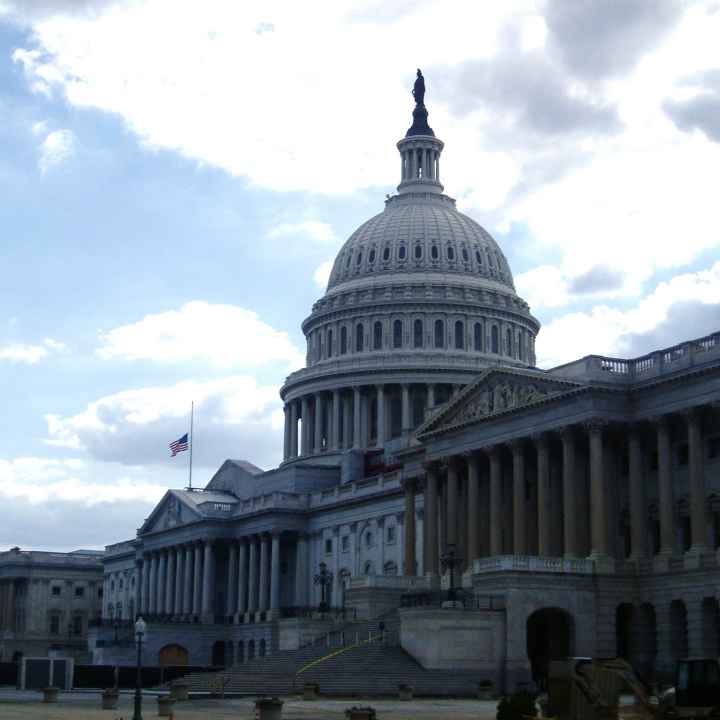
549	636
218	654
173	655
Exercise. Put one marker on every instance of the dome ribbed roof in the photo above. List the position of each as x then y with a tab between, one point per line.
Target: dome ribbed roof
424	233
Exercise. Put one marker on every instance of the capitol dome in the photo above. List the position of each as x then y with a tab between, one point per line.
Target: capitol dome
419	301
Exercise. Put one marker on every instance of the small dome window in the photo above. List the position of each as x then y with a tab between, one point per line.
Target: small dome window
450	253
359	258
465	255
418	252
401	252
371	259
386	253
478	257
434	252
491	259
347	262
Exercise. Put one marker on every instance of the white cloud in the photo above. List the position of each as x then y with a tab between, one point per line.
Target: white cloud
604	330
30	354
321	232
234	417
57	147
40	127
322	274
225	336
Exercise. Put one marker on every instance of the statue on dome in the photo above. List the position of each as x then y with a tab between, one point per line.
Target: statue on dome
419	89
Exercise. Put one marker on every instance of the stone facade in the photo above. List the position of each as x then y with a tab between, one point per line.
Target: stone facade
47	601
581	502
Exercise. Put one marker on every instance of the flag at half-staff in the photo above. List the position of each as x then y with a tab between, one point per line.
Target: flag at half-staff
179	445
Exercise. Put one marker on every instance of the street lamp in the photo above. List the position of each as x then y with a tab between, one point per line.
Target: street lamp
323	579
449	561
140	626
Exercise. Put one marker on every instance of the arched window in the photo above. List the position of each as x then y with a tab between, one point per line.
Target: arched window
418	333
329	343
359	337
465	255
478	337
368	568
358	260
318	346
386	253
521	346
377	335
401	252
494	340
347	262
439	334
390	568
343	340
434	252
418	252
451	252
478	257
508	342
397	333
371	257
459	335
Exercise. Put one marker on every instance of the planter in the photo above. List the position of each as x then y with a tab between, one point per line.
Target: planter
165	705
179	691
486	690
311	691
110	699
50	694
360	713
405	692
268	708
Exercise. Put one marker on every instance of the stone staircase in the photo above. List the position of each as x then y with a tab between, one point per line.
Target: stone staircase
374	666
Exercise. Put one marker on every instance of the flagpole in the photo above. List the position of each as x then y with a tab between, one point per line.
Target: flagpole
192	413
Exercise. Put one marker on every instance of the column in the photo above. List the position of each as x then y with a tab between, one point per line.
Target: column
253	576
410	565
318	417
335	439
232	579
179	580
275	573
431	512
665	487
598	494
451	531
544	501
473	509
161	574
380	415
293	429
570	528
264	577
346	421
406	423
431	396
170	582
188	579
301	571
305	436
207	591
145	601
152	592
519	504
242	585
357	419
495	501
638	509
696	482
197	580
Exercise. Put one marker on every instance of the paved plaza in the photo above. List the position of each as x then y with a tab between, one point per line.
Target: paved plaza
15	705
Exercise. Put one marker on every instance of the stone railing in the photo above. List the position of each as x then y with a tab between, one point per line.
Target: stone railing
391	582
654	364
531	563
274	500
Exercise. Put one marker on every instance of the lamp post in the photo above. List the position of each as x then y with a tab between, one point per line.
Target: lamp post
448	561
139	635
323	579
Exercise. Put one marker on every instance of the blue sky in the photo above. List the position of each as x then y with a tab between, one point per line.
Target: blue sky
175	180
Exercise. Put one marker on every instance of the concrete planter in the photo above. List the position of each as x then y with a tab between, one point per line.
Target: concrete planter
311	691
360	713
268	709
405	692
50	694
110	699
165	705
486	690
179	691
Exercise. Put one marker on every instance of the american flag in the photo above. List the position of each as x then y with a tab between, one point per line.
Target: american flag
177	446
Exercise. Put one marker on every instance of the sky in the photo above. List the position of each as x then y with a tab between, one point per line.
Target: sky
176	179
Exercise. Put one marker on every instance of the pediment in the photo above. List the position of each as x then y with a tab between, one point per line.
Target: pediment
170	512
497	391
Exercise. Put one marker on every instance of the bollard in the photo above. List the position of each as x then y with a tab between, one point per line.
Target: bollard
311	691
165	705
268	708
110	698
50	694
360	713
179	691
405	692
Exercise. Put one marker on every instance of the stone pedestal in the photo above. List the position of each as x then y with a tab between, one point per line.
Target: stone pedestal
109	699
165	705
311	691
268	708
405	692
50	694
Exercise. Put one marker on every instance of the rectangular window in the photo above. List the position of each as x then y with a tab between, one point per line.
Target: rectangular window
328	546
683	454
345	543
79	592
54	624
391	534
77	627
56	591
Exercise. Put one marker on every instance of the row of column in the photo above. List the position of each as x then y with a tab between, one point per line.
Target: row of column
491	515
341	419
7	605
413	160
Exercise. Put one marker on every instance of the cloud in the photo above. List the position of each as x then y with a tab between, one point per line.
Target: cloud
57	147
28	11
320	232
658	316
597	279
321	276
30	354
234	417
224	336
701	110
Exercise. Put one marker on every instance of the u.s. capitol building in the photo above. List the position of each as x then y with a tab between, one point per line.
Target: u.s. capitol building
581	503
